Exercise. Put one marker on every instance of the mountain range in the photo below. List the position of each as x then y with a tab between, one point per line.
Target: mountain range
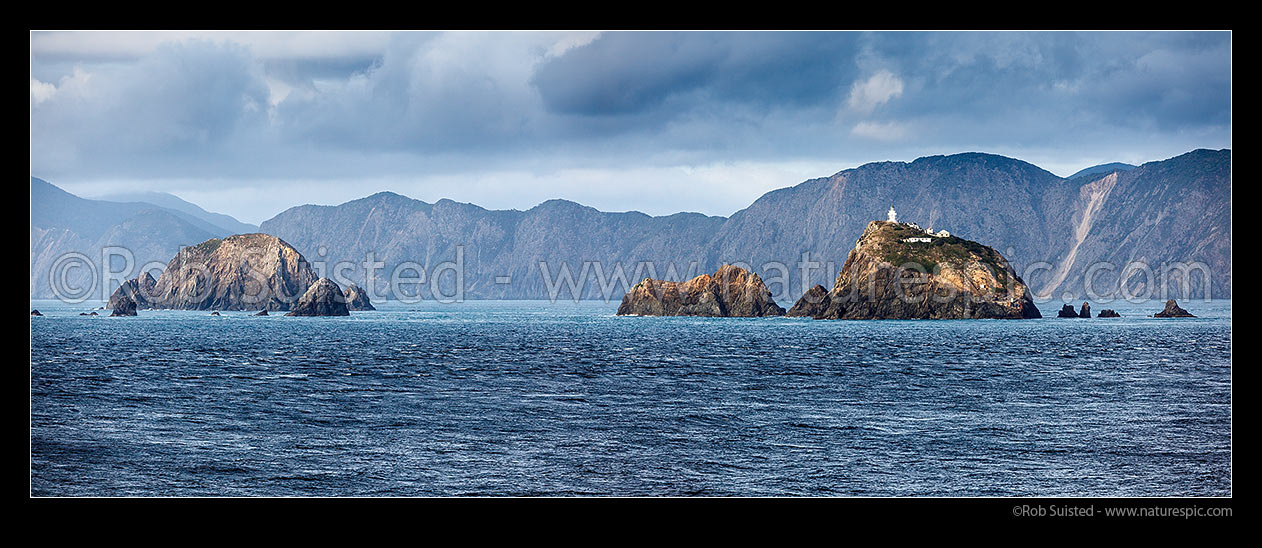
1102	169
173	202
63	224
1162	216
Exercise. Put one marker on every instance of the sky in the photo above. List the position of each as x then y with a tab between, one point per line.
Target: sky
252	123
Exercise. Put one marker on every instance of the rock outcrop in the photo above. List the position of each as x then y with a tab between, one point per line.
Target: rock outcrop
261	313
893	274
123	306
140	290
323	298
811	304
729	292
357	299
1067	311
1109	313
242	272
35	313
1086	310
1172	310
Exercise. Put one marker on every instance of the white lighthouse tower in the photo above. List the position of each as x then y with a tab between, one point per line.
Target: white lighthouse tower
892	215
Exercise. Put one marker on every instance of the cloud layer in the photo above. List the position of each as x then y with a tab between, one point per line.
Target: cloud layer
254	115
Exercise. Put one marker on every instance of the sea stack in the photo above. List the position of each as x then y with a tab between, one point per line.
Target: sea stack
357	299
1086	310
730	292
323	298
1067	311
35	313
900	271
1172	310
1109	313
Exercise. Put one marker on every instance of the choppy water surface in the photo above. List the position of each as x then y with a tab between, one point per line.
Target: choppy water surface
532	398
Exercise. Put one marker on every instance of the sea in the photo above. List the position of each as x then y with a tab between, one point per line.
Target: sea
533	398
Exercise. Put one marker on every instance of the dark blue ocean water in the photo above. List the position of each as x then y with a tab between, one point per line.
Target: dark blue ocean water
532	398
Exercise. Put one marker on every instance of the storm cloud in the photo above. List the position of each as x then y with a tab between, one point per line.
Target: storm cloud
656	121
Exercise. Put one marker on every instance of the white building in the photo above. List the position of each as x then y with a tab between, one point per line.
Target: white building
918	239
892	216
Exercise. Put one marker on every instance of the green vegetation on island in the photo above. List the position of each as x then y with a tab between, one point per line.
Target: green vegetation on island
905	246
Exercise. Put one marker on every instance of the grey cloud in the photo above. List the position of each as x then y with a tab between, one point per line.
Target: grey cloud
625	73
1168	89
622	73
418	99
450	103
1135	79
187	99
304	71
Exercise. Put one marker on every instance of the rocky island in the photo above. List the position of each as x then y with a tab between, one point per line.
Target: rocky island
899	271
241	272
357	299
730	292
1173	310
323	298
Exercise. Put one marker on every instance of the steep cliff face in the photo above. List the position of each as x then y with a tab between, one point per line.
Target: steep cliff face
1169	220
888	277
242	272
730	291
